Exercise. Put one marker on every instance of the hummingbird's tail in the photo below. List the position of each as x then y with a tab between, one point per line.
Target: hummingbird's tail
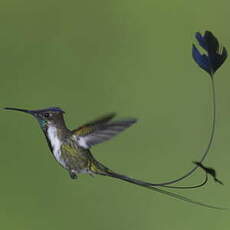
100	169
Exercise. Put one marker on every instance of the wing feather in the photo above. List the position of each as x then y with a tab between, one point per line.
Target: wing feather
100	130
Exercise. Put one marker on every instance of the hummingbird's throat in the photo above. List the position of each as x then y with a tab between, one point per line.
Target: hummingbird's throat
42	123
56	143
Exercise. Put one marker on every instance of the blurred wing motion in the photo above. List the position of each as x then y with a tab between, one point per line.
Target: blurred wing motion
210	171
100	130
216	54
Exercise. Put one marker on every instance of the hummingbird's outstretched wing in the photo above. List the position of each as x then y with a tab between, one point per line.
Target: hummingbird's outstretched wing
100	130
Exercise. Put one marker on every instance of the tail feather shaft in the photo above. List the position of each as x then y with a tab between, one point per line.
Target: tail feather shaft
102	170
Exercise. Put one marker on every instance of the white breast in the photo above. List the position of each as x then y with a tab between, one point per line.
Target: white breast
55	143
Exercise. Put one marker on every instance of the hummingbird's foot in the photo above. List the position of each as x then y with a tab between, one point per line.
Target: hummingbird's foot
73	175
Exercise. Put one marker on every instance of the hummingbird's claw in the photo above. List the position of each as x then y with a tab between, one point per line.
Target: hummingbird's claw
73	175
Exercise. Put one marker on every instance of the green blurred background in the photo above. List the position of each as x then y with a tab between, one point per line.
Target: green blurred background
93	57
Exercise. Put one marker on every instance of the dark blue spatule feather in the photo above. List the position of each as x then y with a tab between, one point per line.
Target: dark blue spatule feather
215	56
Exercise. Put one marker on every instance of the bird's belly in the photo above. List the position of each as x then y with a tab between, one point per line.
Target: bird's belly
58	156
72	163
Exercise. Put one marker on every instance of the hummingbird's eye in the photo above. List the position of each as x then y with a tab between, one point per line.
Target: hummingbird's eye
46	115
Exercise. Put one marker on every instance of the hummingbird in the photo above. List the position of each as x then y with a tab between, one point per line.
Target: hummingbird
71	148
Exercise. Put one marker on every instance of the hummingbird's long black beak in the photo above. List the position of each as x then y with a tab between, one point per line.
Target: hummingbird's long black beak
21	110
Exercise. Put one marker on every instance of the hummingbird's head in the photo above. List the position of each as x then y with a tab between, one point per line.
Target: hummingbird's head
51	116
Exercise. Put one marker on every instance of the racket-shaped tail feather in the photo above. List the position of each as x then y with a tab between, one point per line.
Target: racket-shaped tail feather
100	169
